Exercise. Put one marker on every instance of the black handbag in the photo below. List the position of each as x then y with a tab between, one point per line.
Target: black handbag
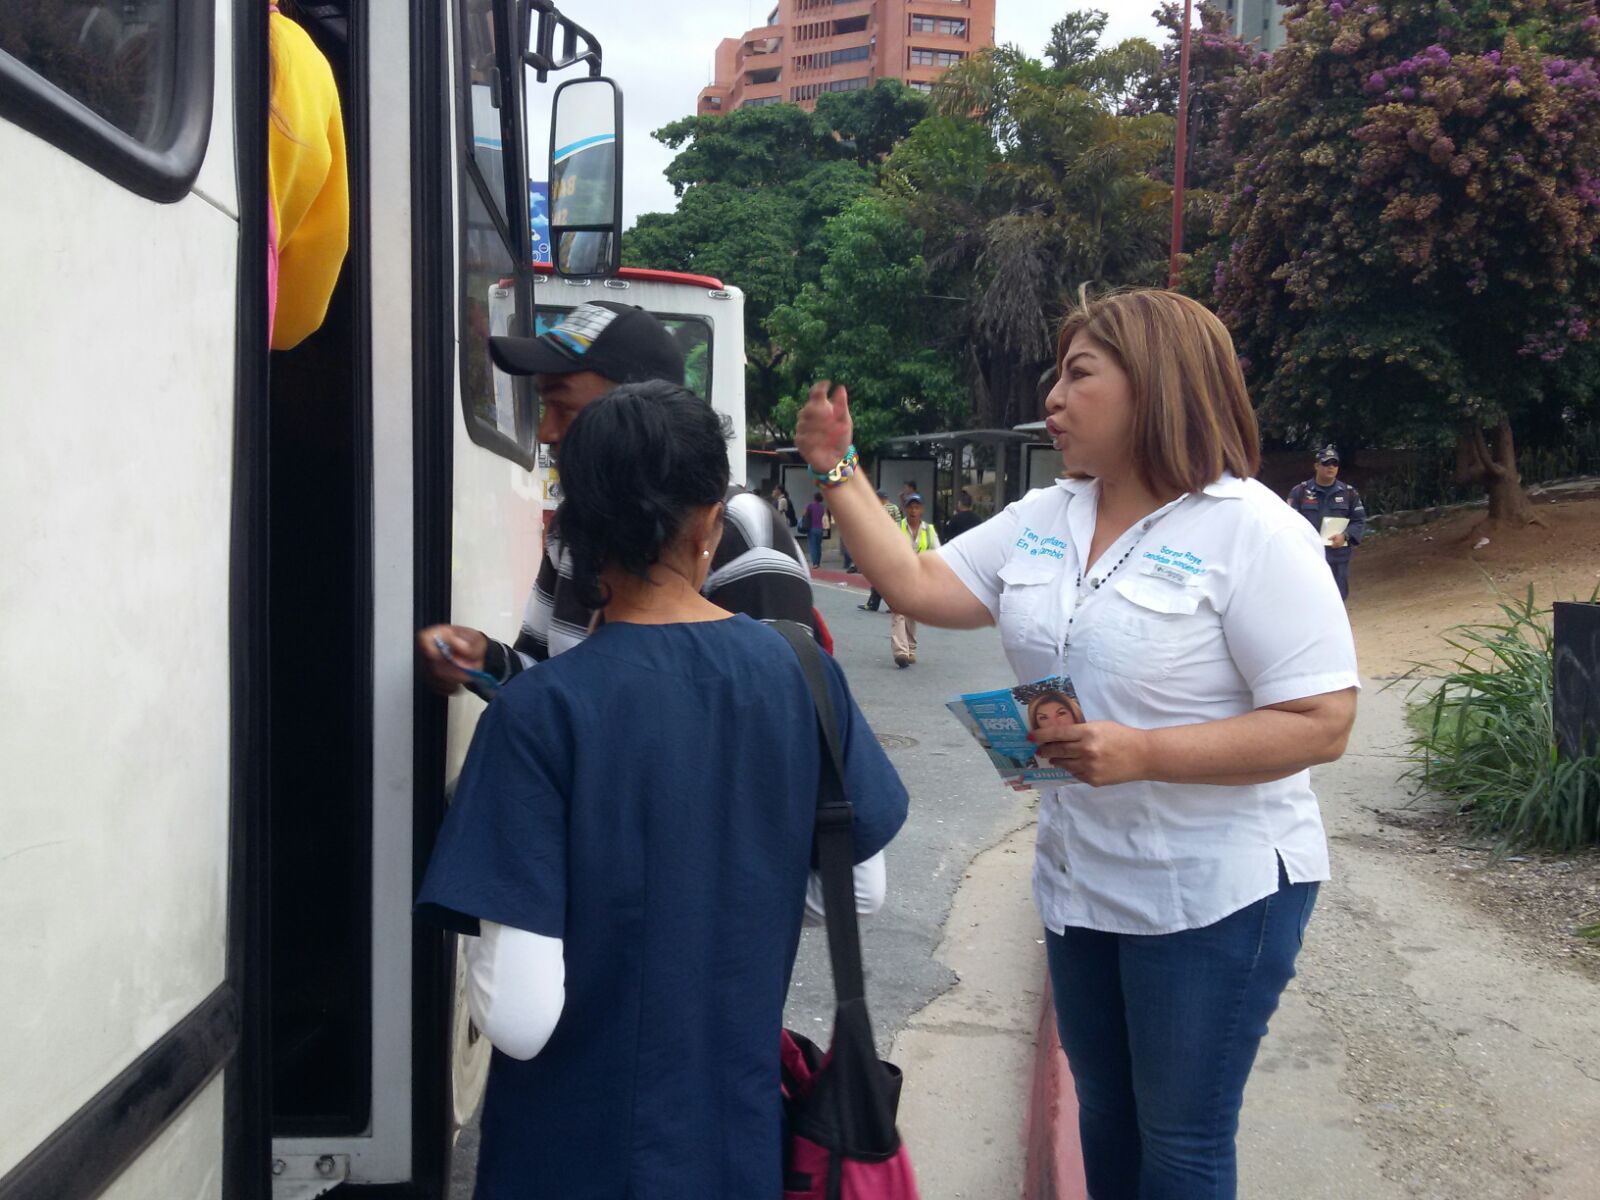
842	1140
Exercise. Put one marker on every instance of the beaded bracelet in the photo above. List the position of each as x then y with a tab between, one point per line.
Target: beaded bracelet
842	471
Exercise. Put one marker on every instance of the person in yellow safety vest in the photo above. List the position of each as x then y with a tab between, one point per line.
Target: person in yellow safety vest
923	537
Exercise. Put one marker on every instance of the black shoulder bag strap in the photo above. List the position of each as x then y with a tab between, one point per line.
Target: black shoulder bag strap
835	847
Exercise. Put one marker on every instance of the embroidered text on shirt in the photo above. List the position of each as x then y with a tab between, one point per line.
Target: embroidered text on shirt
1181	560
1050	547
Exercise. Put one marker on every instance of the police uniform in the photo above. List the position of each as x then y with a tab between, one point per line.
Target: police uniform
1337	500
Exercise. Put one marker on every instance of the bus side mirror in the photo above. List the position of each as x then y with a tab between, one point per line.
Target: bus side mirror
586	179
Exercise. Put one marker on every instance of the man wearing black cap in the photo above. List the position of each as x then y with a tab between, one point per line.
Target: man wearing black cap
758	569
1329	504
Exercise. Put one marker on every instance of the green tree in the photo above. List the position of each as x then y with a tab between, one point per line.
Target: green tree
867	321
1111	73
1409	250
749	147
1216	60
1029	183
756	187
869	124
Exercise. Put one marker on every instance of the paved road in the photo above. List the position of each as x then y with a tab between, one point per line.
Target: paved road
958	810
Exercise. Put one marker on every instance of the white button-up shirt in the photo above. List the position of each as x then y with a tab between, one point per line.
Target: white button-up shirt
1225	605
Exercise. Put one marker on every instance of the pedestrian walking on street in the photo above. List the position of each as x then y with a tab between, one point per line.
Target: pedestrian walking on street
1326	497
922	538
875	601
814	524
632	918
1211	655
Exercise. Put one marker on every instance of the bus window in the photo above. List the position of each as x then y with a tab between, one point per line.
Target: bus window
499	412
693	335
482	114
129	85
116	58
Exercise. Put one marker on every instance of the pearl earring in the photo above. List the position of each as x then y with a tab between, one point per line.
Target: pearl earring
705	554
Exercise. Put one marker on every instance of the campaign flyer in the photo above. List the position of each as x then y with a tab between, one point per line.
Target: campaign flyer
1000	722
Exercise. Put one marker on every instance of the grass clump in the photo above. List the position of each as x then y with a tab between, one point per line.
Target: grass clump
1486	737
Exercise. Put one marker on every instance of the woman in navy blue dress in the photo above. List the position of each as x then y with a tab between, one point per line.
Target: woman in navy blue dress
630	846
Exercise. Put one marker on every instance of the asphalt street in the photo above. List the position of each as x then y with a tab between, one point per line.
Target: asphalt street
958	810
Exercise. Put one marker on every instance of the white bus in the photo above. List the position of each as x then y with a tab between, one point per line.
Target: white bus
219	777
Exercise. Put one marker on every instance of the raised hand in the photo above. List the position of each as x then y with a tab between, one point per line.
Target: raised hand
823	430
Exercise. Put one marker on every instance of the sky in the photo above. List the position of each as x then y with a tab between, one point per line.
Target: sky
662	63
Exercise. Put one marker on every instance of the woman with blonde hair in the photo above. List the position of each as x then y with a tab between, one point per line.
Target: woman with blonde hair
1196	617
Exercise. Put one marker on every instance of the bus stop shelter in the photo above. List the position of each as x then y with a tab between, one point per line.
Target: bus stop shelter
1041	461
986	463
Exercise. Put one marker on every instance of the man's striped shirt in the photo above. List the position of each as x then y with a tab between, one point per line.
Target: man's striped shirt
758	570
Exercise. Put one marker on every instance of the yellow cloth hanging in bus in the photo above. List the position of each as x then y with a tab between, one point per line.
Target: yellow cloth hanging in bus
308	180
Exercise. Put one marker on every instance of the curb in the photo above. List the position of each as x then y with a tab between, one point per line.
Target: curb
1054	1156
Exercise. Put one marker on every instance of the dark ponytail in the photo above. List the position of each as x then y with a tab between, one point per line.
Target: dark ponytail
635	464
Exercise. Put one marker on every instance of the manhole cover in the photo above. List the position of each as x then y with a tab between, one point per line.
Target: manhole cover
896	741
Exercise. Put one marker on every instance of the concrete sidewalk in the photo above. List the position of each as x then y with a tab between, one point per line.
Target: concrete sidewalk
969	1056
1423	1051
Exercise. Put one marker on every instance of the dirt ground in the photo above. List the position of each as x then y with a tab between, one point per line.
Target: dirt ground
1538	896
1409	585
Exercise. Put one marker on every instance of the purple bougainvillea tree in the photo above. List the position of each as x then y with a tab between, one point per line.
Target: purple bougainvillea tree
1410	248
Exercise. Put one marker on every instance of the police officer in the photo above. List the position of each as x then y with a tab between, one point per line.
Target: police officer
1324	496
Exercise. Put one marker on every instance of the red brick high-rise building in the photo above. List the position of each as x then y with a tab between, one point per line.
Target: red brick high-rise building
808	47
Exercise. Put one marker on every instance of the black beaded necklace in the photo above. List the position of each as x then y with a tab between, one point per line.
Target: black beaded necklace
1095	582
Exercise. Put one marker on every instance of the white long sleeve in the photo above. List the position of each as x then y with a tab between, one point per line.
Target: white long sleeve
871	886
516	987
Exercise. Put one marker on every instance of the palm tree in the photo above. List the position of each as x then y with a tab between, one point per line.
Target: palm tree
1062	196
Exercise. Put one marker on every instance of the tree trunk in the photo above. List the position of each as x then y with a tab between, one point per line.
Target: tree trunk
1493	466
982	394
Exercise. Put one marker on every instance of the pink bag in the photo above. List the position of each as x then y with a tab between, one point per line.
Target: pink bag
839	1108
842	1141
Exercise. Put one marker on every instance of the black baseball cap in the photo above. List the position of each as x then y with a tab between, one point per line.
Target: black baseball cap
1328	454
622	342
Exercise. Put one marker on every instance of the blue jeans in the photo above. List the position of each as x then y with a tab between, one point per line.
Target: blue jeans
1161	1032
814	537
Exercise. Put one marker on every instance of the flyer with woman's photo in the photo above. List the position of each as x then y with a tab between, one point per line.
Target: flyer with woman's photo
1000	722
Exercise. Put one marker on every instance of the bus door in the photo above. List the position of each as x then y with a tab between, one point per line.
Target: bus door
372	1063
327	893
402	497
